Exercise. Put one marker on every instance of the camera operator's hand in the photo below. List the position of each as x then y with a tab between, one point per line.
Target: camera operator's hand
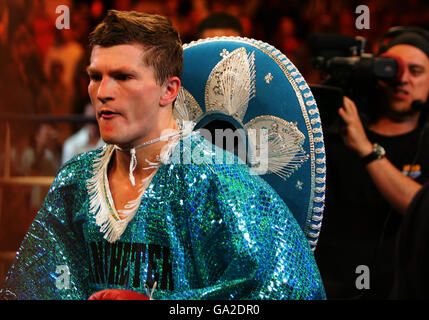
353	132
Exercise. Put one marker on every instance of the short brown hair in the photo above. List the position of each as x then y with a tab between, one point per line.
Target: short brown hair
160	40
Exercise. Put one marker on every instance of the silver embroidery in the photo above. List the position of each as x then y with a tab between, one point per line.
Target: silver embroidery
285	152
231	84
186	107
268	78
224	53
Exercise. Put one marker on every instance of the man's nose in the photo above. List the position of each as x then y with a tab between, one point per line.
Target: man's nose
105	91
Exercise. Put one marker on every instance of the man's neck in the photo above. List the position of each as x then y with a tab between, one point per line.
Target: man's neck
388	127
120	166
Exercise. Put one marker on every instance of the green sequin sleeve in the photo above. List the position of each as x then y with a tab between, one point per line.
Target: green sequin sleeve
51	262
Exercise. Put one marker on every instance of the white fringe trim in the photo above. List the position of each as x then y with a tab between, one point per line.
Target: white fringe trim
101	205
112	223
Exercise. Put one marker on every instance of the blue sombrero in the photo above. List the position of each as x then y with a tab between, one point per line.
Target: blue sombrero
253	86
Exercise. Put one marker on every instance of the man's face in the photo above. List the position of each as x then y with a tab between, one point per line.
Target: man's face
414	83
124	93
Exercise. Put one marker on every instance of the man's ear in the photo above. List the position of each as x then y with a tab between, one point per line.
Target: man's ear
170	91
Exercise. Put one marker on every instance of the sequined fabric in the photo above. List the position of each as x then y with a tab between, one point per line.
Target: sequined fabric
205	229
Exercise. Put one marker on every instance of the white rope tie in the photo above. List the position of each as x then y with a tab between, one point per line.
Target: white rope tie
133	165
133	161
150	294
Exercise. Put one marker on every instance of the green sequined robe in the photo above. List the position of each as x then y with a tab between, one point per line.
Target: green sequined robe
204	230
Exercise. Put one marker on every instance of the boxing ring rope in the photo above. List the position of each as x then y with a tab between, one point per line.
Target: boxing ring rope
6	257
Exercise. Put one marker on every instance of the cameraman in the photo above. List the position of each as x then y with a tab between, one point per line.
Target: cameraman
374	171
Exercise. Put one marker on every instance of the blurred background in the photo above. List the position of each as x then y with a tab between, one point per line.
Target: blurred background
43	74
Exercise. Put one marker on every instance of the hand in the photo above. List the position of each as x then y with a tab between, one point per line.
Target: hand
353	132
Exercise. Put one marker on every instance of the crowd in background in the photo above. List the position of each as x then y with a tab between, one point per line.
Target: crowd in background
43	69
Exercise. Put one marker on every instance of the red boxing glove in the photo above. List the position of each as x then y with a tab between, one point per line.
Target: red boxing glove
117	294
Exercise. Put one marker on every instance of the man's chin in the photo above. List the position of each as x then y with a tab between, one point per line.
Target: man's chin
121	144
402	113
110	140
